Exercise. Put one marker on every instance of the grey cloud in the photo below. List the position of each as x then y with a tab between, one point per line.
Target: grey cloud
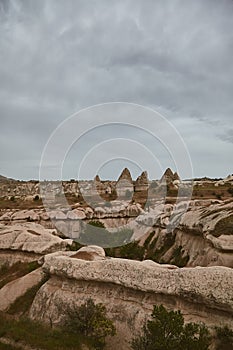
57	57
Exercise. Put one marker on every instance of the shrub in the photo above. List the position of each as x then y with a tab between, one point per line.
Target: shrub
132	251
90	320
225	338
167	331
96	223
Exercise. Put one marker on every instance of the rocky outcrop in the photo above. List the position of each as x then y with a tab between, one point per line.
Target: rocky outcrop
129	289
125	175
142	182
17	288
169	177
227	180
31	237
124	185
201	236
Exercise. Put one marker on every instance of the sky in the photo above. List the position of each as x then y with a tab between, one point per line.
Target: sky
59	57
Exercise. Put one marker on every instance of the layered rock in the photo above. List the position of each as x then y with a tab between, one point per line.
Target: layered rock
169	177
31	238
201	236
142	182
129	289
124	185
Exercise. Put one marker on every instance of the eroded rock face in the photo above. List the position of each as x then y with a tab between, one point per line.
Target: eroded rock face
31	237
129	289
124	185
15	289
142	182
202	236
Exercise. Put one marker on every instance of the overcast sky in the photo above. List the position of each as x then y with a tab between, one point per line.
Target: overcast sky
57	57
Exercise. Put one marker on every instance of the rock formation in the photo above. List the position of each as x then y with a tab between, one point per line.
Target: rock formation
125	175
15	289
31	238
129	289
124	185
168	177
201	236
142	182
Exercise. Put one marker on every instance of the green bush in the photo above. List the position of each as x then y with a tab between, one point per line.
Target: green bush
37	335
224	338
90	320
132	251
167	331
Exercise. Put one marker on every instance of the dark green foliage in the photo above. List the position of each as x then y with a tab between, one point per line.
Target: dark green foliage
178	258
37	335
149	238
96	223
224	338
167	331
23	303
75	246
90	320
32	265
6	347
132	251
156	255
96	233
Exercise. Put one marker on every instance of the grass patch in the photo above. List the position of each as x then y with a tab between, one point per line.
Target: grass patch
7	347
22	304
37	335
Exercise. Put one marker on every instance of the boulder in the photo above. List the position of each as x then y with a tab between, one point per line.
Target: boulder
76	214
91	253
30	237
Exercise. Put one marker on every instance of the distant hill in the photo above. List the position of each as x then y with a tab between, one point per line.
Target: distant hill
4	178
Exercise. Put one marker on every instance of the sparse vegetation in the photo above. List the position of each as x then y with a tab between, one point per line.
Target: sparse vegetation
19	269
96	233
40	336
224	338
179	259
23	303
166	331
90	320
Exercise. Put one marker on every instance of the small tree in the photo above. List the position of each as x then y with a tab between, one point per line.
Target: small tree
90	320
167	331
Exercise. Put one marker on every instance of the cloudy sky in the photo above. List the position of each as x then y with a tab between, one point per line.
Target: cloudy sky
174	56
